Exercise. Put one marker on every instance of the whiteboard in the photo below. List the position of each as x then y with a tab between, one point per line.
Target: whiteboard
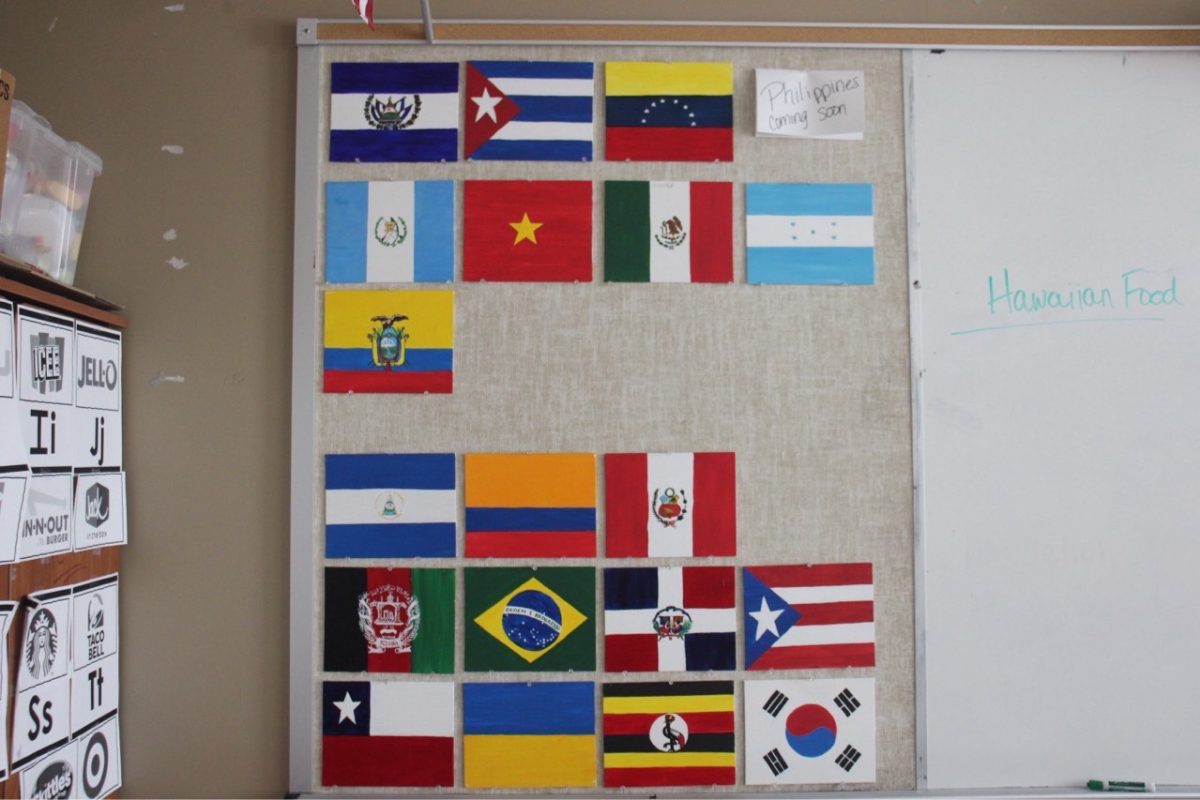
1057	422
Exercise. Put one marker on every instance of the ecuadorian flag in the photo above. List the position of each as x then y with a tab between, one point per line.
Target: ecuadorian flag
668	111
389	341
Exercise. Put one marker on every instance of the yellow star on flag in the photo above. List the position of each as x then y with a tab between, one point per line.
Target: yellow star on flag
525	229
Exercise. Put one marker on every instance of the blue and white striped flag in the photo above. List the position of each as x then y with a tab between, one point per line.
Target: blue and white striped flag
529	111
389	232
393	112
810	233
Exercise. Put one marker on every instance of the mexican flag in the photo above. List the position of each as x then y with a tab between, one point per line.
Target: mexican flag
668	232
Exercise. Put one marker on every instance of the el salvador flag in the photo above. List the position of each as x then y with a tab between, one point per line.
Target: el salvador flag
383	111
529	111
389	232
810	233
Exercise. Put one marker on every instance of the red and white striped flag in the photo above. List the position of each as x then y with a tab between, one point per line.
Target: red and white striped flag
366	10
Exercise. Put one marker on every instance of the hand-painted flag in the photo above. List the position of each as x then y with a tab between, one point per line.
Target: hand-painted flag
662	232
366	10
393	111
529	111
389	341
389	620
669	619
814	616
526	735
527	231
810	731
668	111
670	504
387	733
540	505
389	232
810	233
669	734
521	619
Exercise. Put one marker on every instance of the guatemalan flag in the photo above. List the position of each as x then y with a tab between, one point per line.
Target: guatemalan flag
384	111
810	233
389	231
529	111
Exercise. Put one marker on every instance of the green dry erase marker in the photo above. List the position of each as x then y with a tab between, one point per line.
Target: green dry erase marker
1121	786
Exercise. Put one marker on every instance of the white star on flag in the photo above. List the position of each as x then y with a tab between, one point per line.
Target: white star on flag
487	105
346	708
765	618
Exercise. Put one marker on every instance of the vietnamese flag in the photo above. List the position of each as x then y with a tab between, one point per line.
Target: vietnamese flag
527	231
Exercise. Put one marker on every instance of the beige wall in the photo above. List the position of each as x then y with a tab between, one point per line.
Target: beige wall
205	578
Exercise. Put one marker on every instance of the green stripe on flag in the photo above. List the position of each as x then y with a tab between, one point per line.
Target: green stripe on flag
627	231
433	648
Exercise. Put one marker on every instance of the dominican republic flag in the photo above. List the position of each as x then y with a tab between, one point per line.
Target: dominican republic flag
810	731
669	619
390	505
389	620
660	505
387	733
668	232
814	616
392	111
389	232
668	111
527	231
822	233
529	111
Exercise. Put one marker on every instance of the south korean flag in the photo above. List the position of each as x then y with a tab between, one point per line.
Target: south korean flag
814	731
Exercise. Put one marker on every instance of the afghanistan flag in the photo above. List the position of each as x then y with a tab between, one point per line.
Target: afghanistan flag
527	231
393	111
670	504
389	620
669	619
387	733
669	734
389	231
389	341
663	232
529	111
521	619
524	735
668	111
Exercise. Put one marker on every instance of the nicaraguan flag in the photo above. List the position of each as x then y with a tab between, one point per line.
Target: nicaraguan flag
810	233
389	232
393	112
529	111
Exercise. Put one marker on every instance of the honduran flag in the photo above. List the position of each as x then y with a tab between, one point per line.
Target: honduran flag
389	231
390	505
387	733
811	233
393	111
669	619
668	232
670	504
529	111
668	111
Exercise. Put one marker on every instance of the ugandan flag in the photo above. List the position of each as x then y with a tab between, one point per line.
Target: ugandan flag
669	734
668	111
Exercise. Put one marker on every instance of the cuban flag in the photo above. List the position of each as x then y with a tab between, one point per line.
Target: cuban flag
529	111
393	112
810	233
389	231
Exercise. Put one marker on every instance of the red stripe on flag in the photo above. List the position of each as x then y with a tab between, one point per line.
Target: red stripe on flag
635	652
520	544
668	144
668	776
714	521
708	587
382	382
712	232
387	761
697	722
813	575
817	657
835	613
377	578
626	505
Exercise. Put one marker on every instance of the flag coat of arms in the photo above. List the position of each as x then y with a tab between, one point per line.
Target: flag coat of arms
528	111
389	620
387	733
813	616
669	734
393	111
527	231
389	231
661	505
810	731
811	233
399	341
668	111
526	735
540	505
669	619
668	232
522	619
390	505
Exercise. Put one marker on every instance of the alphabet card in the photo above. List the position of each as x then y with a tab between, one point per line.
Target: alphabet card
12	450
95	680
45	527
45	386
42	716
95	437
89	766
99	509
13	481
7	611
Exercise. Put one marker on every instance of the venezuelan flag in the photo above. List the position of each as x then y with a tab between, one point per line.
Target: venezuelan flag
668	111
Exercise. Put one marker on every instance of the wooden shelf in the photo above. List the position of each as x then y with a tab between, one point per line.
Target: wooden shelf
22	282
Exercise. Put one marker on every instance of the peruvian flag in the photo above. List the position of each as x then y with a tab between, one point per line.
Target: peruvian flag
366	10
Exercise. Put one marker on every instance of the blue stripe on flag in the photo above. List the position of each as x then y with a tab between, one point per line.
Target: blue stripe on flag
438	144
531	519
434	228
705	651
631	587
384	77
548	108
825	265
531	150
391	540
529	708
359	358
345	232
535	69
704	110
819	199
389	471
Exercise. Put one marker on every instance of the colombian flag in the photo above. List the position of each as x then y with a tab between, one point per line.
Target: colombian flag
660	111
